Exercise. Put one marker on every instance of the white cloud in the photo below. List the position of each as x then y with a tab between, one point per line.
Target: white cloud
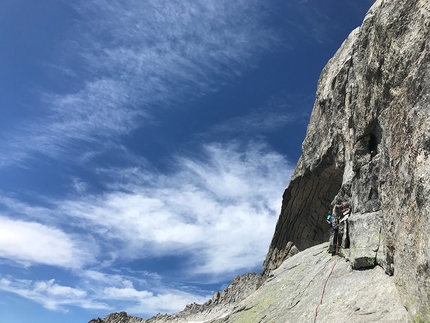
143	293
79	185
33	243
102	291
127	293
170	301
50	294
220	208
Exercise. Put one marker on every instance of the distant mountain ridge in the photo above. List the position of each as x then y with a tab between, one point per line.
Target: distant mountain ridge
368	142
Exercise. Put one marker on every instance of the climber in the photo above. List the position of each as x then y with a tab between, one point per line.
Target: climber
341	210
339	214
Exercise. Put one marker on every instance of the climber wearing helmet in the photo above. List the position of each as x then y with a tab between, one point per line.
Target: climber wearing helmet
339	210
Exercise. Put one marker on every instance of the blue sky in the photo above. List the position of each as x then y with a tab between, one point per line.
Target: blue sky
145	145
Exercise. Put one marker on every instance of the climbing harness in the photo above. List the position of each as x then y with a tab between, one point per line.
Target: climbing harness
325	284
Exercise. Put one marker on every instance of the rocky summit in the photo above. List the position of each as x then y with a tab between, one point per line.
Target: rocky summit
368	143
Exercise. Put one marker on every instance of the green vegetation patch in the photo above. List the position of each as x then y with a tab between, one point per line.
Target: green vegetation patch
256	313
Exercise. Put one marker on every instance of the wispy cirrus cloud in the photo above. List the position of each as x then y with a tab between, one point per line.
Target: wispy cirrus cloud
131	59
51	295
221	206
279	111
116	292
141	292
31	243
315	22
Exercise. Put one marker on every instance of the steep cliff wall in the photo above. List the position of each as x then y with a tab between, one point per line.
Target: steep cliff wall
368	142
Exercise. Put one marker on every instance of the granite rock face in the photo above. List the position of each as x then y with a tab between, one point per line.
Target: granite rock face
293	292
368	142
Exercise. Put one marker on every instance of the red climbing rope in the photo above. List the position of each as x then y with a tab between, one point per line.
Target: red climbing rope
325	284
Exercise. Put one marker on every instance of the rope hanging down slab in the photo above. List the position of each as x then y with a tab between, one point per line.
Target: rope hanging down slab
325	284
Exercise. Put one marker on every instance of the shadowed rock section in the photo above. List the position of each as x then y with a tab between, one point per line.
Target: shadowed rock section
368	142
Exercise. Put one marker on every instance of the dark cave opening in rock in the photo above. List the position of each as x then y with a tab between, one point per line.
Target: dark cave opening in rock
374	138
373	144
